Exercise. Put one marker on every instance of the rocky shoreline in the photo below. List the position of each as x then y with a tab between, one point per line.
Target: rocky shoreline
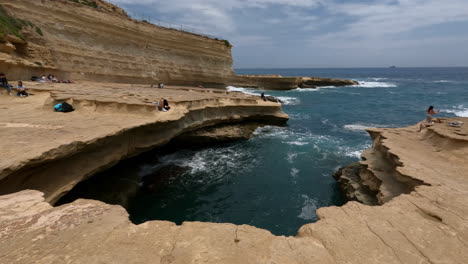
111	123
418	179
407	196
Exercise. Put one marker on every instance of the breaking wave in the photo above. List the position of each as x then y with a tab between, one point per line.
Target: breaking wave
289	100
243	90
361	127
375	84
460	111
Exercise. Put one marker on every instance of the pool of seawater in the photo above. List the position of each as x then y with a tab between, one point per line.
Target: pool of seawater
278	179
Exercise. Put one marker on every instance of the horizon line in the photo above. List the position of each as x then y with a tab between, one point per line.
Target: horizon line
380	67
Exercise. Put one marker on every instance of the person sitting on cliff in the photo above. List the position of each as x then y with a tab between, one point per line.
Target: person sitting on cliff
43	79
165	105
4	83
21	90
162	105
429	120
161	85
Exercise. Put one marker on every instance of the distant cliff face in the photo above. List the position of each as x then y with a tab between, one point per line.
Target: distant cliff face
94	40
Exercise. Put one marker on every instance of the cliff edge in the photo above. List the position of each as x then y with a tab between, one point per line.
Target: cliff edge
52	152
97	41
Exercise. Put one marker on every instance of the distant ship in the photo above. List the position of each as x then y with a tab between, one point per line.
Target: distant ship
392	67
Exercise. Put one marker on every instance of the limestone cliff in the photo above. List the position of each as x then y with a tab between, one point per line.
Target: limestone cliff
101	43
97	41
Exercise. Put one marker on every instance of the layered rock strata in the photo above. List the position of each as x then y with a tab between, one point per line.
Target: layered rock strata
427	225
52	152
78	40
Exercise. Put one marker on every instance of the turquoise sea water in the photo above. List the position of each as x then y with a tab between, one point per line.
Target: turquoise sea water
282	175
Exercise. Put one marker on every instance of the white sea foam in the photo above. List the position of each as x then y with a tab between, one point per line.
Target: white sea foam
354	152
460	111
291	157
308	209
243	90
324	146
379	79
294	172
375	85
445	81
289	100
220	161
357	127
327	122
307	89
297	143
361	127
362	84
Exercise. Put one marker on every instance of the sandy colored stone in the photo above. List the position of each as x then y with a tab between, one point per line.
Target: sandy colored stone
103	44
428	225
52	152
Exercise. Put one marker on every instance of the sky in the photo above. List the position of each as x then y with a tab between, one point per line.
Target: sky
323	33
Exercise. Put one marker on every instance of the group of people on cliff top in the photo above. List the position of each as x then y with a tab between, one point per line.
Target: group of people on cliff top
49	78
21	90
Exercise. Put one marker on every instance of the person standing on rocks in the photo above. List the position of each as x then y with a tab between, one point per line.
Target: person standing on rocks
4	83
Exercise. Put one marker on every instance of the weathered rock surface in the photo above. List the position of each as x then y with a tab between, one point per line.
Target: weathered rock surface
217	134
427	225
80	42
52	152
356	186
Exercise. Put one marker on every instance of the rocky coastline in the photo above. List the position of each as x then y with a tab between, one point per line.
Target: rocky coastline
407	196
420	186
109	124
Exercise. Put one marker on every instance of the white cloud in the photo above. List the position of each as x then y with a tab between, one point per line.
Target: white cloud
402	16
334	26
213	15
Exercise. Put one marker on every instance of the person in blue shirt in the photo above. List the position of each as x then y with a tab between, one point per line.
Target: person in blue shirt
4	83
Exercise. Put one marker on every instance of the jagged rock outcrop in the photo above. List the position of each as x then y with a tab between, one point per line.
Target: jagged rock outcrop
356	186
381	175
52	152
217	134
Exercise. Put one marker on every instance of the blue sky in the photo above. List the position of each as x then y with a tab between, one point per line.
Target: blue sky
324	33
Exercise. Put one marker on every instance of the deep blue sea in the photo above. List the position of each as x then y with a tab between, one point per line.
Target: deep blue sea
278	179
